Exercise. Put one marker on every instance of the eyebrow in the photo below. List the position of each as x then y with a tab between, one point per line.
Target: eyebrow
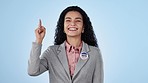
75	18
67	18
78	18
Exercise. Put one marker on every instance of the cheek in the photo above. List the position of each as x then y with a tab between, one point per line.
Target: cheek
82	30
65	27
80	26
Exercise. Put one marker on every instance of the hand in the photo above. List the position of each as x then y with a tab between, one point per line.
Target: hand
40	33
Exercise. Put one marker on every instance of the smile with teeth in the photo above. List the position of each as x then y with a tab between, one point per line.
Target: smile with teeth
72	29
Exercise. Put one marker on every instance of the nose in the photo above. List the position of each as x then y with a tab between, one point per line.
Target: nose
73	23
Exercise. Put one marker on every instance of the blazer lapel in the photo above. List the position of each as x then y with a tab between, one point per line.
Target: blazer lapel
62	57
81	62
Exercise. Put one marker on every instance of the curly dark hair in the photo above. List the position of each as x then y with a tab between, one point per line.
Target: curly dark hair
88	36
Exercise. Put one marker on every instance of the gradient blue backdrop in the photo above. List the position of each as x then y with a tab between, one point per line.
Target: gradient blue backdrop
121	27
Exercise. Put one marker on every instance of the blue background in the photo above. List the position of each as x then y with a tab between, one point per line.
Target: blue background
121	27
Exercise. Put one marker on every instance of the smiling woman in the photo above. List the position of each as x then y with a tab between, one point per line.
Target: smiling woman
73	25
74	57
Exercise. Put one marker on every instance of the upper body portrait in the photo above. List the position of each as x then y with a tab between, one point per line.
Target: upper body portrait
75	56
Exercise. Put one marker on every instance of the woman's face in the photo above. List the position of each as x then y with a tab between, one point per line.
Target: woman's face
73	24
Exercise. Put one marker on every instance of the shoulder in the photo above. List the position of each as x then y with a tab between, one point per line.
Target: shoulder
95	52
51	50
53	47
94	49
56	48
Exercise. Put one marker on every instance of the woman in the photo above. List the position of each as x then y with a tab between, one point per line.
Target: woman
74	57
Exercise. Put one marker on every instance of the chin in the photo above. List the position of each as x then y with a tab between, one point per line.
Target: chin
73	35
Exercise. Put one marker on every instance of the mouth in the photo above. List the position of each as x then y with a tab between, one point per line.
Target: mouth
72	29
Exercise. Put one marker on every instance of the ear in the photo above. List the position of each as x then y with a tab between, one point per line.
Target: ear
83	30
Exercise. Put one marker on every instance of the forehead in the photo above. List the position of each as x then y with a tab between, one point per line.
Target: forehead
73	14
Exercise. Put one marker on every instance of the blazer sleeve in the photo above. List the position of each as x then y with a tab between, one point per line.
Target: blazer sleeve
37	65
98	76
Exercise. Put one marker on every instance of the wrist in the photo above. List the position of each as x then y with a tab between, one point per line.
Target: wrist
38	41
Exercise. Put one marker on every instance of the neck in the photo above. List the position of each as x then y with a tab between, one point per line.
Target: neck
74	41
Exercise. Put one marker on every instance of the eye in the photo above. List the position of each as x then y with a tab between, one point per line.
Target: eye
68	20
78	20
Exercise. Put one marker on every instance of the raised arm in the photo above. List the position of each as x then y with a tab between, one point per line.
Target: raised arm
37	65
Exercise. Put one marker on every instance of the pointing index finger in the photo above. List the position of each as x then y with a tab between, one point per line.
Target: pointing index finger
40	23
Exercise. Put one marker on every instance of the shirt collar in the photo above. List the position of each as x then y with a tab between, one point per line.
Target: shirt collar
70	47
